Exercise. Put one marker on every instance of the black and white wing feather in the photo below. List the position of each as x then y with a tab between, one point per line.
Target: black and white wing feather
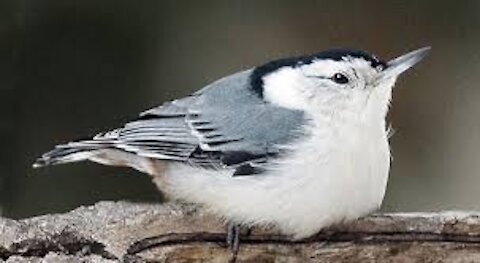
226	124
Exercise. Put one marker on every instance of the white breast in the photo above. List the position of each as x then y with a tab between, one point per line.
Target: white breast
332	176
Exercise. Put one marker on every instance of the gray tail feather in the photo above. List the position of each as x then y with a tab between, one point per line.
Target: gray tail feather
63	155
70	152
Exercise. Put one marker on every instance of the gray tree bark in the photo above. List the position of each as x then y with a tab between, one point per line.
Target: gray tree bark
121	231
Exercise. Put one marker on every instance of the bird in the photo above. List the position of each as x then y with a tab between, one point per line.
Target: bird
298	143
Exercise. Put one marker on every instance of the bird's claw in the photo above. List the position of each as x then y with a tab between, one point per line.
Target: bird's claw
233	240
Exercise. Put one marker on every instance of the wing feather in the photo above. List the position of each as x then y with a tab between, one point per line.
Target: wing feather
225	124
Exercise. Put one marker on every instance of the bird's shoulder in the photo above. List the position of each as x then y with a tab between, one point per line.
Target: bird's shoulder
220	92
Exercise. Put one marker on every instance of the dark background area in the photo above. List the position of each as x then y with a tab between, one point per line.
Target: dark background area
70	69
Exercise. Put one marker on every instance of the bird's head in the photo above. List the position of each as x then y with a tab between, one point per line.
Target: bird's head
334	81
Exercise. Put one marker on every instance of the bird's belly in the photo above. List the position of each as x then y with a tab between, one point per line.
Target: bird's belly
304	195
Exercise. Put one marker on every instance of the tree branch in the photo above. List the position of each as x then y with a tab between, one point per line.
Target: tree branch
121	231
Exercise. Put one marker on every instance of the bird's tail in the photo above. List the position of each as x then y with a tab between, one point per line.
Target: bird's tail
102	149
76	151
70	152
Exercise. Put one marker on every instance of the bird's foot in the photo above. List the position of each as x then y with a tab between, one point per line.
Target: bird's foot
233	240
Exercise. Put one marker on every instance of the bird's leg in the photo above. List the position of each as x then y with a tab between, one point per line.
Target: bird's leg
233	240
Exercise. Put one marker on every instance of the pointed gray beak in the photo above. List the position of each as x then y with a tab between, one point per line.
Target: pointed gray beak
397	66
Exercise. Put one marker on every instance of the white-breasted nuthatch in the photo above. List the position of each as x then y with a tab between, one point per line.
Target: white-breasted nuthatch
299	143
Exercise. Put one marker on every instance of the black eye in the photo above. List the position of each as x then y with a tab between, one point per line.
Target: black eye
340	78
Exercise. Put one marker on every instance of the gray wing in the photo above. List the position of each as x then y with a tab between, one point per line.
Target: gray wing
225	124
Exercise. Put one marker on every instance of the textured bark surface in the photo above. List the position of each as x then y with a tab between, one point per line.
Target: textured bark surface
121	231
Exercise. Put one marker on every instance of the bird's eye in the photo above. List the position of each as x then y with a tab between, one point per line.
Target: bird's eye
340	78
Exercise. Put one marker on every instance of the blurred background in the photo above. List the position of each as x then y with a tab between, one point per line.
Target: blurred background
70	69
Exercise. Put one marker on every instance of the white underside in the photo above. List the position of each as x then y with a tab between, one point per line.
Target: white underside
319	184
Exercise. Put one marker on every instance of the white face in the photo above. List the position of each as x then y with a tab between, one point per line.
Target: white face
349	86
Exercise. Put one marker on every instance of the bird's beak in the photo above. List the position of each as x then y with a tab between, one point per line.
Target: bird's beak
398	65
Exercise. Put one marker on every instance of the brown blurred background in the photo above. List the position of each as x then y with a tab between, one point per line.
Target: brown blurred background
70	69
